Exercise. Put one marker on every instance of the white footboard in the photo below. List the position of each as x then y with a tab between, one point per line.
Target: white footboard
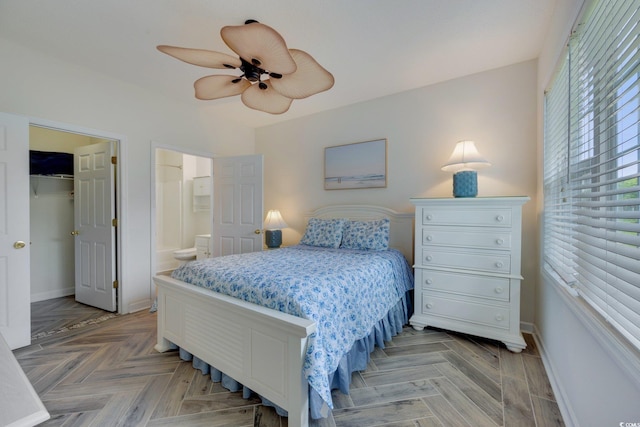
261	348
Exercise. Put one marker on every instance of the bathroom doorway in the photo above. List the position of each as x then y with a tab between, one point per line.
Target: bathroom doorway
182	196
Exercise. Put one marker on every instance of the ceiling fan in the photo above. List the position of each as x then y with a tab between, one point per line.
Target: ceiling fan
272	74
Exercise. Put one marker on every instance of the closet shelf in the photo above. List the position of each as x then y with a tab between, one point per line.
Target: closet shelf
35	183
53	176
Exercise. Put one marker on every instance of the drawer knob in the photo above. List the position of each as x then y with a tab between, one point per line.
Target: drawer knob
429	237
499	264
499	218
428	281
429	217
499	290
499	317
428	258
429	305
499	242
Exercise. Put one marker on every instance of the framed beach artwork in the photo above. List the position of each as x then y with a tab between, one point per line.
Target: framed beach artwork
358	165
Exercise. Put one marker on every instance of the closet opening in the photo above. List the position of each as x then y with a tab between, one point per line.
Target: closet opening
61	272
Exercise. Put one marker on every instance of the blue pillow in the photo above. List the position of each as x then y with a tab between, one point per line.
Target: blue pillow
323	232
366	235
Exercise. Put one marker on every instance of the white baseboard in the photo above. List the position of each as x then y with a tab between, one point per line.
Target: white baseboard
527	327
43	296
568	416
139	305
57	293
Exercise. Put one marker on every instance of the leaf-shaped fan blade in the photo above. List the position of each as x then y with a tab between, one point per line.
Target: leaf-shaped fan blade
309	79
267	100
260	45
201	57
214	87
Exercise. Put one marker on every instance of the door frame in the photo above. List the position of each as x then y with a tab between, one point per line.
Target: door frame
120	189
178	149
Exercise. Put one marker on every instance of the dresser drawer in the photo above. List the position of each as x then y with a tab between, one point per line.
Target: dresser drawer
467	266
483	239
489	262
495	288
465	217
496	317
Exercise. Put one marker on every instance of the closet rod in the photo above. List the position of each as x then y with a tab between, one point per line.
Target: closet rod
61	176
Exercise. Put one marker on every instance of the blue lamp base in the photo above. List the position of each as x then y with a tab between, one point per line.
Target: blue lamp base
465	184
273	238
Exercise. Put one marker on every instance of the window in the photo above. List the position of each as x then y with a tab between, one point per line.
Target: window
557	232
591	165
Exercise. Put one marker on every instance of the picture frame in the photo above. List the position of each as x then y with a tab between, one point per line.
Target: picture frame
356	165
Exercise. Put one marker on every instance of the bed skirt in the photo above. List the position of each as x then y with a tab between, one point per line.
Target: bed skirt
355	360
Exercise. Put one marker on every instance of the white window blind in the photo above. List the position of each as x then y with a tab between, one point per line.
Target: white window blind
558	249
592	229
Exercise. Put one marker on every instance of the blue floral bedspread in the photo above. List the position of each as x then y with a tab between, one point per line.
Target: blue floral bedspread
346	292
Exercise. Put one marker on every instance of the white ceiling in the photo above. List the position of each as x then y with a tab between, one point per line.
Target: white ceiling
372	47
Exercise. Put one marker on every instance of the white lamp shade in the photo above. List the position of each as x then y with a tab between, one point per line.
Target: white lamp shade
274	220
465	156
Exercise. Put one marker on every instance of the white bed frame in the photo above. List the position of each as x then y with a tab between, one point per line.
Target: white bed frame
261	348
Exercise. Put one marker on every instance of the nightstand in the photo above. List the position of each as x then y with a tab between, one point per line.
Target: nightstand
467	268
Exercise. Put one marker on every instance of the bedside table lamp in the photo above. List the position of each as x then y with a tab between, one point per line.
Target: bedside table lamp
464	161
273	224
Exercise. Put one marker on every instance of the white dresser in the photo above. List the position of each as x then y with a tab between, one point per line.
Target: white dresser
467	266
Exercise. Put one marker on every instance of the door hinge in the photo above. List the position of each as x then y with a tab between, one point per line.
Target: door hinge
114	222
114	160
115	284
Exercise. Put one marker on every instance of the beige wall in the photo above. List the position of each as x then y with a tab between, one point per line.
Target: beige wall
496	108
41	87
43	139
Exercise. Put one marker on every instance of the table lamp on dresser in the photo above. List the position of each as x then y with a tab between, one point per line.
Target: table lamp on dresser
464	161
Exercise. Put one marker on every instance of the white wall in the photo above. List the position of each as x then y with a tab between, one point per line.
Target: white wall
51	244
195	223
169	189
38	86
497	109
596	381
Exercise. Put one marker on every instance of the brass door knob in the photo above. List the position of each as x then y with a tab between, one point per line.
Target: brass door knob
19	244
258	231
75	232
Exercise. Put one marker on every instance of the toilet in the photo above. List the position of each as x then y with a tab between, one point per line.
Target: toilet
185	255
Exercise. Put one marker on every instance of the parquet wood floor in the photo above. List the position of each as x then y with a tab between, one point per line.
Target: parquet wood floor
106	373
59	314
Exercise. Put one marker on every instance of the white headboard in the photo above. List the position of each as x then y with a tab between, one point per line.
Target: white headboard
400	228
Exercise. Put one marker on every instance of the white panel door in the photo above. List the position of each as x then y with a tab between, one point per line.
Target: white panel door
237	203
94	210
15	280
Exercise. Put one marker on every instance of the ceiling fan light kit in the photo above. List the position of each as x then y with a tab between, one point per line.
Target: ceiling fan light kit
272	74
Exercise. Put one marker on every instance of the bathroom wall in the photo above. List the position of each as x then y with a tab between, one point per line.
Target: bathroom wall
169	185
194	222
176	222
